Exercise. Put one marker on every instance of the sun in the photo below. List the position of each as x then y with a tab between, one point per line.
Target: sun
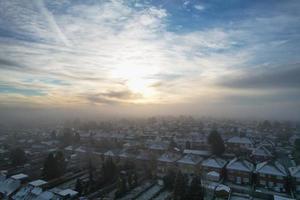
140	86
136	79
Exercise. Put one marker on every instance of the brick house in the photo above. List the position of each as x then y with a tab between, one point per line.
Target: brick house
260	154
239	171
189	164
213	165
237	143
166	162
271	175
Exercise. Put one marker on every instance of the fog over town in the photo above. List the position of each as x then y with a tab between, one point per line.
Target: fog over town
149	100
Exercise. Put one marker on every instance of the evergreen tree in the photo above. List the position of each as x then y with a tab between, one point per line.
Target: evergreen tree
195	191
77	138
129	180
109	170
179	186
67	137
169	180
188	145
17	157
60	162
53	135
216	143
54	165
135	180
50	167
78	187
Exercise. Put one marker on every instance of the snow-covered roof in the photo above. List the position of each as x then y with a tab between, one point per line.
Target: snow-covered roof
19	176
38	183
239	140
271	168
46	196
8	186
109	153
276	197
197	152
158	146
240	165
214	162
218	187
126	154
295	171
36	191
144	155
261	150
191	159
213	174
67	192
69	148
169	157
80	150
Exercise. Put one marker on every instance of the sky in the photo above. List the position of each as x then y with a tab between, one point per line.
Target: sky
234	58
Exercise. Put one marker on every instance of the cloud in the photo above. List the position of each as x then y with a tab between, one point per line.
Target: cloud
274	78
112	97
9	64
113	52
199	7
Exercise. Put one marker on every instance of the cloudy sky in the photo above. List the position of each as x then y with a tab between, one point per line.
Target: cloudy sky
224	58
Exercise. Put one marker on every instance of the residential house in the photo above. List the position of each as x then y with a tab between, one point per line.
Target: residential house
10	185
272	175
190	164
30	191
167	161
213	168
239	171
260	154
202	153
239	144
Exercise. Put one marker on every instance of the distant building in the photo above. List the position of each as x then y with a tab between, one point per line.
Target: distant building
237	144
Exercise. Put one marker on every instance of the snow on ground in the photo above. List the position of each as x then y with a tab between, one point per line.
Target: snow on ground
163	195
147	195
133	193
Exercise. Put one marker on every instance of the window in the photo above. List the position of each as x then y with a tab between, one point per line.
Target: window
262	182
231	178
246	180
280	185
271	184
279	177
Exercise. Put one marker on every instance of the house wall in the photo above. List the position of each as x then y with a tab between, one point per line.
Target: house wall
239	177
296	184
237	146
189	168
164	167
271	182
205	170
